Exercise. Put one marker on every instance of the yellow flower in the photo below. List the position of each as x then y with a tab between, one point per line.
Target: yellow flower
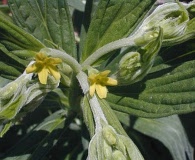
44	65
98	83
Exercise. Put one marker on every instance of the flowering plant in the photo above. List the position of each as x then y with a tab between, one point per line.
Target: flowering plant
103	89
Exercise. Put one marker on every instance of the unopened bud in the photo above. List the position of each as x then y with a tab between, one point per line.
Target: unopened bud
118	155
109	135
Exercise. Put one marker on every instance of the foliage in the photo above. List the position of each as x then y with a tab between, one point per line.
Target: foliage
118	85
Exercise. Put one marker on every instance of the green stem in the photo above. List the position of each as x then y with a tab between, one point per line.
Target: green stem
107	49
93	101
73	63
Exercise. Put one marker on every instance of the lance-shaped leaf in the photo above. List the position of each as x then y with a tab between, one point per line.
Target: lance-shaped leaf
170	94
114	20
87	115
11	55
49	21
14	37
170	132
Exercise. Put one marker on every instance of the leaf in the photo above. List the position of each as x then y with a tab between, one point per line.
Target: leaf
14	37
111	117
77	4
48	21
163	96
13	108
37	143
170	132
3	81
14	57
5	128
8	70
114	20
88	116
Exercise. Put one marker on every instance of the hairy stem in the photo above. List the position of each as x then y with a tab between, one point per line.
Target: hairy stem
107	49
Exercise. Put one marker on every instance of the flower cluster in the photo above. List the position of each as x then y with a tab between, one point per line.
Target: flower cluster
45	65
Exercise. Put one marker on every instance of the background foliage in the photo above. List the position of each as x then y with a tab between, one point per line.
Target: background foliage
151	111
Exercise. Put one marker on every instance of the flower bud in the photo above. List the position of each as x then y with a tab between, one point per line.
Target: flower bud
171	17
108	144
107	151
12	96
109	135
134	65
118	155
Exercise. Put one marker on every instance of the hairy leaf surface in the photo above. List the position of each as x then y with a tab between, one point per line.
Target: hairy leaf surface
48	21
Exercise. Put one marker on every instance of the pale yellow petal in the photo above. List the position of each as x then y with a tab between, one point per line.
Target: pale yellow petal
31	68
101	91
40	56
104	73
92	89
92	78
111	82
43	74
54	61
54	72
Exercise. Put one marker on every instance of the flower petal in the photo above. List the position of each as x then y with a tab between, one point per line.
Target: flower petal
92	89
111	82
54	61
54	72
43	74
104	73
40	56
101	91
31	68
92	79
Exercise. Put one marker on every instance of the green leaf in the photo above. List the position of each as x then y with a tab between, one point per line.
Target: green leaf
3	81
88	116
77	4
48	21
114	20
6	69
12	56
170	132
14	37
111	117
163	96
40	140
11	110
6	127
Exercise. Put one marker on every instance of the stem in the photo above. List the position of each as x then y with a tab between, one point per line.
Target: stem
94	104
67	59
107	49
